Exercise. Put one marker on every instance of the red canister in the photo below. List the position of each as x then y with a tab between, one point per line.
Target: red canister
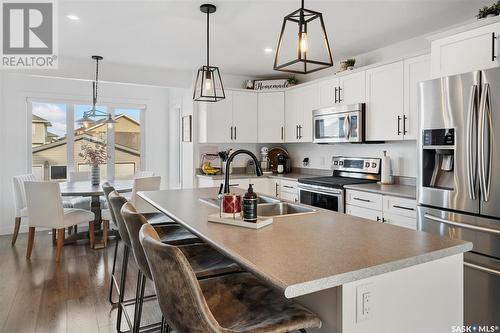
231	203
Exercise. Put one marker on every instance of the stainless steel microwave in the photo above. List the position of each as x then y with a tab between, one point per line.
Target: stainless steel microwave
343	123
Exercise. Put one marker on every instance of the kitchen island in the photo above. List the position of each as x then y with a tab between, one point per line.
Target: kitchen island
356	274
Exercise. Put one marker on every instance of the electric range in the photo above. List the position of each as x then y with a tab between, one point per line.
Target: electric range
328	192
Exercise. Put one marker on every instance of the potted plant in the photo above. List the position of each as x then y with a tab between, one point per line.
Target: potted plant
347	64
489	11
94	155
292	81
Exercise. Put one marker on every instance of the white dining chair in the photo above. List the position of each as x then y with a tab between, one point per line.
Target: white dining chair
144	184
45	210
142	174
20	201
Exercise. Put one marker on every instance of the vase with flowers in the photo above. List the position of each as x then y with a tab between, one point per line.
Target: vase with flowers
94	155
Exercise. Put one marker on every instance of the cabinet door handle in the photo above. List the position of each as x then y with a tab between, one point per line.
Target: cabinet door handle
399	125
276	189
378	219
231	132
335	102
405	118
296	131
235	132
402	207
288	186
299	135
340	99
360	199
493	39
282	133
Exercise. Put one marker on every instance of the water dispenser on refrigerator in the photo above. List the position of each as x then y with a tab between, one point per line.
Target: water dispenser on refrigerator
438	158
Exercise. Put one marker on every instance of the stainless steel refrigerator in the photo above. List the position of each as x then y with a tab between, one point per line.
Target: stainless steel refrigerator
459	179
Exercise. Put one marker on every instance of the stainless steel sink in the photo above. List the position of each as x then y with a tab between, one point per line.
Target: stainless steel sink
260	200
282	209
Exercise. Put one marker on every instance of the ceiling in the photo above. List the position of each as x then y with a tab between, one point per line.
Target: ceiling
171	34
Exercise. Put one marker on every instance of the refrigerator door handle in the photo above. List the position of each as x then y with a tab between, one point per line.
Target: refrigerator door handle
471	135
485	158
482	268
462	225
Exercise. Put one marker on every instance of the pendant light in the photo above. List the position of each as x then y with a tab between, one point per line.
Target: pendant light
87	119
306	49
208	86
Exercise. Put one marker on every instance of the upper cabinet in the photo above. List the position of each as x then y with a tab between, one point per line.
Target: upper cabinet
271	117
299	104
385	102
466	51
233	119
415	70
245	122
346	89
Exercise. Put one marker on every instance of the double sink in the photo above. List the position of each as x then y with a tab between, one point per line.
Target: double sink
270	207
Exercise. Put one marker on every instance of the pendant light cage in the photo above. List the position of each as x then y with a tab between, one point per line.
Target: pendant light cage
208	86
303	45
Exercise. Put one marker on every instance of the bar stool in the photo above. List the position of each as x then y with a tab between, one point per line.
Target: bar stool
205	261
225	304
176	235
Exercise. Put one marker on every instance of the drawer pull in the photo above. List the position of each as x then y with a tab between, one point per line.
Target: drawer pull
482	268
360	199
288	186
405	208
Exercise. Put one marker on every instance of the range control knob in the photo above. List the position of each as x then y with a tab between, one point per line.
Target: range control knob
341	162
335	162
367	164
374	165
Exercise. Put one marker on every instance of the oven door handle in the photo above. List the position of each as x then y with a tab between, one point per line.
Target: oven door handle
482	268
462	225
319	191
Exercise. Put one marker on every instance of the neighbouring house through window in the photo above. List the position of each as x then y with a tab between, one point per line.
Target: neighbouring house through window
57	138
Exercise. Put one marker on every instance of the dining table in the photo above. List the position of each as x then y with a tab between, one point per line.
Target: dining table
87	189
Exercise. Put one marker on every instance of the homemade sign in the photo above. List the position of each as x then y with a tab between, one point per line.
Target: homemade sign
270	84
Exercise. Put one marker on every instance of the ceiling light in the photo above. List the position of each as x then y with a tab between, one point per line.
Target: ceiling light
268	50
208	86
73	17
306	51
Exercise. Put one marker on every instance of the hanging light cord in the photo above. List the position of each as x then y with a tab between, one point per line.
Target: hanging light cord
96	82
208	38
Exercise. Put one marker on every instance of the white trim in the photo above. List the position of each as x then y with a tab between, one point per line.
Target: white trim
70	137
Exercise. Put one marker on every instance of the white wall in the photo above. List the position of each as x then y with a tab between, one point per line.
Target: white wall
402	153
15	125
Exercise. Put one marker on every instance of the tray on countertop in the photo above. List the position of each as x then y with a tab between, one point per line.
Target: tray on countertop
237	221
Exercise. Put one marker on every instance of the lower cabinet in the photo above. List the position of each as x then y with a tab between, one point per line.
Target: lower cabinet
209	182
265	186
382	208
262	185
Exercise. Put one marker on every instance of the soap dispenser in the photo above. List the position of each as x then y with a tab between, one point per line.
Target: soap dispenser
250	205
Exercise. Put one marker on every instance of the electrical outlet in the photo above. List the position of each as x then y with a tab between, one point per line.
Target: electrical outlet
364	303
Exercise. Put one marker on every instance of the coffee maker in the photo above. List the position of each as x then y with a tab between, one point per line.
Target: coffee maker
282	163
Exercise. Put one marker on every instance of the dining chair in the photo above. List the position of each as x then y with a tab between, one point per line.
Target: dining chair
205	260
141	174
180	236
20	209
45	210
144	184
222	304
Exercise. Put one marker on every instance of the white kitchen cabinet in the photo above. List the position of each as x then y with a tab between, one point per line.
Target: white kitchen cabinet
345	89
245	122
382	208
264	186
352	88
216	120
233	119
328	92
299	104
362	212
206	181
288	190
385	102
271	117
416	69
467	51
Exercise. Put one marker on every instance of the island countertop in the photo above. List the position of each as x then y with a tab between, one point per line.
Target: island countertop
306	253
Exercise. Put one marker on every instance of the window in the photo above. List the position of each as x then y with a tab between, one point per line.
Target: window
48	139
57	138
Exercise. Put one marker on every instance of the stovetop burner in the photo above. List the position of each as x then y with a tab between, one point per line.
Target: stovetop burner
333	181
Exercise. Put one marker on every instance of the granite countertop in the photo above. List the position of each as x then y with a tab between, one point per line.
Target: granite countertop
403	191
306	253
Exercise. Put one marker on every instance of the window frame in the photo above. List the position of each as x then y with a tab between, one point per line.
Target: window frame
70	130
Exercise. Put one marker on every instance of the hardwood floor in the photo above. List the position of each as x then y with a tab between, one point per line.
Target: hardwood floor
41	295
